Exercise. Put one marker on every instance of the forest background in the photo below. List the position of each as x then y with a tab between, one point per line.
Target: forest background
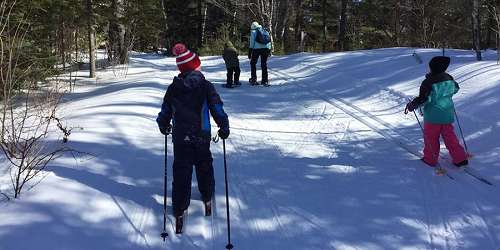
50	36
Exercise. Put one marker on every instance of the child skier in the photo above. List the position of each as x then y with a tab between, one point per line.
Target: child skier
230	56
188	101
436	93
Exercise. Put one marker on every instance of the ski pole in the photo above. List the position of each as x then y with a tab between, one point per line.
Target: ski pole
164	234
461	132
415	113
419	124
229	245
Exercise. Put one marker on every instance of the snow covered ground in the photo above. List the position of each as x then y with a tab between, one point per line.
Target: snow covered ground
323	159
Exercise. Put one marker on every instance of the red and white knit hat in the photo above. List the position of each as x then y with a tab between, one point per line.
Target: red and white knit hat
185	59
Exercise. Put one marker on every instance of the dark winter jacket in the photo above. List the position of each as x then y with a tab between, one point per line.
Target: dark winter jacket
188	101
230	56
436	93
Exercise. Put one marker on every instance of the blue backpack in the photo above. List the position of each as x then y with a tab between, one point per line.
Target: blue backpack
262	36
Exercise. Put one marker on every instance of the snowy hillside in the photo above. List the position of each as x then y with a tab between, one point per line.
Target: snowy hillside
322	159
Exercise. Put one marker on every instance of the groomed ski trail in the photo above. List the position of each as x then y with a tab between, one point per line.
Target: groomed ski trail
388	132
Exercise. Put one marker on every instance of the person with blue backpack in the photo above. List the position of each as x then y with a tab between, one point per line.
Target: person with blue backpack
260	46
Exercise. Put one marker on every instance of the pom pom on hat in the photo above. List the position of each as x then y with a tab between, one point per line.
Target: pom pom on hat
185	59
179	49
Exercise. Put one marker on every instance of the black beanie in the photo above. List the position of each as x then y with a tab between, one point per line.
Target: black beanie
439	64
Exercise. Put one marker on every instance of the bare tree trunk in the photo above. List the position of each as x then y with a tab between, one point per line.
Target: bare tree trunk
272	7
285	32
165	11
63	43
202	10
497	20
489	31
476	29
281	17
341	44
77	49
424	25
302	41
234	24
91	38
270	17
299	17
397	22
117	33
324	28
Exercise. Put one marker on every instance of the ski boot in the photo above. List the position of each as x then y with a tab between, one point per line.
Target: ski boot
265	84
208	207
461	164
253	81
440	171
179	223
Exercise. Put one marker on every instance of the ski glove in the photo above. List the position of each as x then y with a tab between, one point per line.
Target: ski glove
223	133
166	130
410	107
249	54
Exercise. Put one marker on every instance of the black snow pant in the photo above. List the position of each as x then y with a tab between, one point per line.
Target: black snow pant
187	154
263	54
233	75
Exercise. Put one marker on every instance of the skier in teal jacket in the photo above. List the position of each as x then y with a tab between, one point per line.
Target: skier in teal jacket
436	93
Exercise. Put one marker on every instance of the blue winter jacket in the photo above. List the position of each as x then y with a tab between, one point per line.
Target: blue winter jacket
256	45
188	101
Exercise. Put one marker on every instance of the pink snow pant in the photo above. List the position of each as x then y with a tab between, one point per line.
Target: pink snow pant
431	141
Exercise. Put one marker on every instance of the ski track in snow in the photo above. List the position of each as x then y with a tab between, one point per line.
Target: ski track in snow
274	207
350	109
213	224
312	127
471	186
311	123
238	182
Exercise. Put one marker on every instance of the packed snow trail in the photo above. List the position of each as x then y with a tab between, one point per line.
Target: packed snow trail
320	160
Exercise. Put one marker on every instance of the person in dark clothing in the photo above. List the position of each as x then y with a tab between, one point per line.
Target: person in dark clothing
187	103
230	56
255	51
436	93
